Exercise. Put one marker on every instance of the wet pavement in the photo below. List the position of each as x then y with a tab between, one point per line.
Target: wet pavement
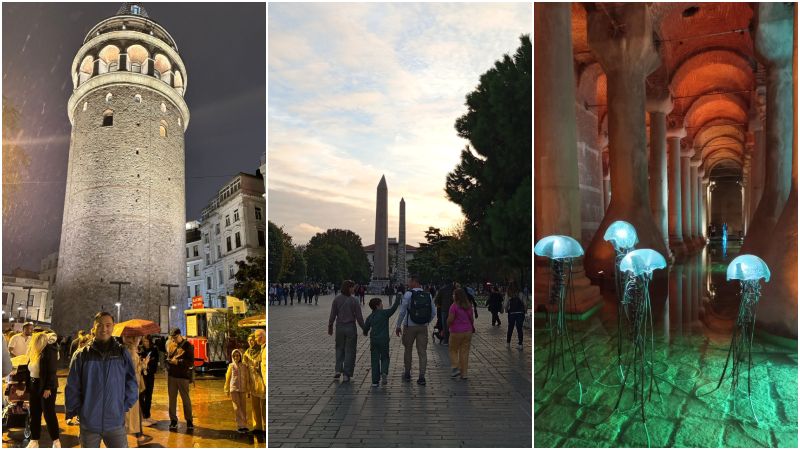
214	421
694	312
308	408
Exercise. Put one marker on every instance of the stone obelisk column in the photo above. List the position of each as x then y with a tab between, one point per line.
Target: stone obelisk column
402	271
627	58
555	150
659	106
686	197
381	264
780	317
773	48
674	136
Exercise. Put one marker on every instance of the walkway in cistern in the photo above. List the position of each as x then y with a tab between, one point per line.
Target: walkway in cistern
309	408
692	329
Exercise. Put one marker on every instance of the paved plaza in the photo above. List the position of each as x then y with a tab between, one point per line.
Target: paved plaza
308	408
214	424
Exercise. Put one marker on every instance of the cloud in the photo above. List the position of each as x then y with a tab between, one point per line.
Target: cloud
357	91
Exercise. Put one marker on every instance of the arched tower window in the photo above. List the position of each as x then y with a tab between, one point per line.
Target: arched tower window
137	98
163	107
163	67
178	82
162	129
137	58
109	96
85	71
109	59
85	105
108	118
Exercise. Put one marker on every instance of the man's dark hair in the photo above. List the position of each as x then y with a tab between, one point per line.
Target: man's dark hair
100	315
374	302
347	287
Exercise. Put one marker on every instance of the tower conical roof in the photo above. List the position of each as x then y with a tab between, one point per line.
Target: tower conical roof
132	9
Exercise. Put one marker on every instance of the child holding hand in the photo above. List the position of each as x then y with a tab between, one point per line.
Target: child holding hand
378	322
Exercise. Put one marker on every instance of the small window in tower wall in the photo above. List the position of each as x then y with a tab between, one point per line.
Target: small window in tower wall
162	129
135	9
163	107
85	105
137	98
180	124
108	118
109	97
258	213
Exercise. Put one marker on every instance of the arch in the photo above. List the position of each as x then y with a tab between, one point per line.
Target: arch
162	128
162	64
109	59
712	69
721	142
108	118
178	82
86	69
710	106
137	58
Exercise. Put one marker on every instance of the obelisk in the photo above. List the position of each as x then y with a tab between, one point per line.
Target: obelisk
402	273
381	266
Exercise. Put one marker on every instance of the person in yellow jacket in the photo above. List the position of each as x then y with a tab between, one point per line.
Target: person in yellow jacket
238	388
253	358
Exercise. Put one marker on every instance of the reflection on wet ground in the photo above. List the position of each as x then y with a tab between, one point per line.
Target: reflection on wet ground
694	311
214	422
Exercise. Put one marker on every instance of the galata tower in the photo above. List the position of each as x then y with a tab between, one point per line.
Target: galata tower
123	230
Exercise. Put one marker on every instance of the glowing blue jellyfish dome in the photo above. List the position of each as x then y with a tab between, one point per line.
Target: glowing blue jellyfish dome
622	235
641	261
747	267
558	247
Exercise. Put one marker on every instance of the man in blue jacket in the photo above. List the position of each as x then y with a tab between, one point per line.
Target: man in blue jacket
101	387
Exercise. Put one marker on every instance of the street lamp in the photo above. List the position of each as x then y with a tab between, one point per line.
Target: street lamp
169	303
118	304
119	294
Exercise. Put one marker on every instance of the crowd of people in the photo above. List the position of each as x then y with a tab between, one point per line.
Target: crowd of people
109	387
452	309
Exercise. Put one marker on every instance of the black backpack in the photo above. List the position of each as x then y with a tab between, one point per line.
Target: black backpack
419	307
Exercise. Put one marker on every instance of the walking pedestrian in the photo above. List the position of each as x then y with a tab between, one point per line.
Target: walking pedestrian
252	359
18	345
443	299
316	293
416	312
462	326
378	321
180	360
495	305
345	311
101	387
133	418
149	356
237	388
42	367
291	294
516	315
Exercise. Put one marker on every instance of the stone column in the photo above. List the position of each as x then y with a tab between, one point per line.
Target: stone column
659	107
757	158
704	205
746	183
780	317
686	198
694	185
555	151
627	58
773	48
674	136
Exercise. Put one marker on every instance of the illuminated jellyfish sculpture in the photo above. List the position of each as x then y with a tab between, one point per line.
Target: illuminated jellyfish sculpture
640	264
749	270
561	250
622	236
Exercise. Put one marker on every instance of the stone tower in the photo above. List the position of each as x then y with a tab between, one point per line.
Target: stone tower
402	271
125	202
381	267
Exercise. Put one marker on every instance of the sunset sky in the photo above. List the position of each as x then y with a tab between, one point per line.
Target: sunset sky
357	91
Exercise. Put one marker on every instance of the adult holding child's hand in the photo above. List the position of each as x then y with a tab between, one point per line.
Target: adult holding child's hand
345	311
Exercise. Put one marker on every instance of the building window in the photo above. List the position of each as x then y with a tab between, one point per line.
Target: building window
194	249
216	228
135	9
196	290
205	238
235	215
187	252
137	98
196	269
208	259
228	241
108	118
261	238
219	277
258	213
208	283
30	300
219	253
227	221
162	129
109	97
238	240
230	272
188	271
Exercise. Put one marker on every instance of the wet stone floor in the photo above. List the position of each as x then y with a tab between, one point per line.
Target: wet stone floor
691	336
214	422
308	408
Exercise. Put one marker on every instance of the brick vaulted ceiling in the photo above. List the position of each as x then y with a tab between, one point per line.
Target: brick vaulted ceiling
708	60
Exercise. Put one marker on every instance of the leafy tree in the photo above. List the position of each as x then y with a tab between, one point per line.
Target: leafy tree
492	182
250	282
297	269
281	253
15	161
336	255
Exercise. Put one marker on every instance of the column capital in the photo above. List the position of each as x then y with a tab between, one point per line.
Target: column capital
660	103
676	132
706	180
696	163
701	171
621	38
687	152
773	38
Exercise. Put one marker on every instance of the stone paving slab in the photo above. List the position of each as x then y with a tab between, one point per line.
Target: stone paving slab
308	408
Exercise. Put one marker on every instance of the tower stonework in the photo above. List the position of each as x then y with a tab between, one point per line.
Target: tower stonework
125	202
381	267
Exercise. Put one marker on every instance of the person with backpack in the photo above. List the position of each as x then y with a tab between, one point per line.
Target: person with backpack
516	309
416	312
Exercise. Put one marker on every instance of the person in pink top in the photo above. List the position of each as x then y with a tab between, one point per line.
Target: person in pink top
461	325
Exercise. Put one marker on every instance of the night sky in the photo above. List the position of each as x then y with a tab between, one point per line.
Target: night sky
224	49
